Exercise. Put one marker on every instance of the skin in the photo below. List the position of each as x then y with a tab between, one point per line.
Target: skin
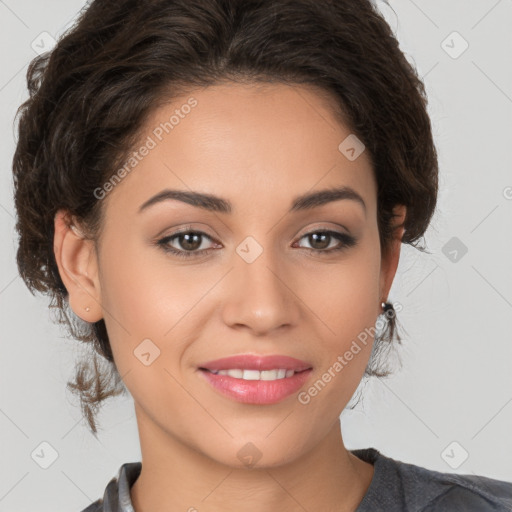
258	147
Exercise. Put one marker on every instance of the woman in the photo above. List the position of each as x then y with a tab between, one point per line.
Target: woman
219	190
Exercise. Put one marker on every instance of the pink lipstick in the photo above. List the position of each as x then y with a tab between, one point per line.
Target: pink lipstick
256	379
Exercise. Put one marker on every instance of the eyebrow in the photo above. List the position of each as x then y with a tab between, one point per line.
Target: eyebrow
217	204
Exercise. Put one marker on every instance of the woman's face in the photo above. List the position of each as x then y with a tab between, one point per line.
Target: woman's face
259	279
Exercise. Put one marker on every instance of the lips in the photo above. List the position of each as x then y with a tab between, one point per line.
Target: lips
256	362
267	388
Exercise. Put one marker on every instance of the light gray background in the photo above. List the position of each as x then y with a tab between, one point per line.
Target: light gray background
455	384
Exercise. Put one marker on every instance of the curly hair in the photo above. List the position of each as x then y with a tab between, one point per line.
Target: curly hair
90	96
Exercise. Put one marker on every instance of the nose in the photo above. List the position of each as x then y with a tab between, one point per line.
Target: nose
259	296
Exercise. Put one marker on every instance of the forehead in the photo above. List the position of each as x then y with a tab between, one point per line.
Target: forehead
263	143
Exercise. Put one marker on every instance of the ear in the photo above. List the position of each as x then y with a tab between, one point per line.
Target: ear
391	257
78	267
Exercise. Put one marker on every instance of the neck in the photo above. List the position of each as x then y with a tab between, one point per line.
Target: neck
175	476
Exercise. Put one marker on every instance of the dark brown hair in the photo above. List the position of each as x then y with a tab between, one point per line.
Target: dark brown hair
90	96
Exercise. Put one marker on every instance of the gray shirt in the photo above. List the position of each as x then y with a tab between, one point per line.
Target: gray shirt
395	487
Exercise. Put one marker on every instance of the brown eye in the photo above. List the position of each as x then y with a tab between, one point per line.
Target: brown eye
189	241
185	243
321	240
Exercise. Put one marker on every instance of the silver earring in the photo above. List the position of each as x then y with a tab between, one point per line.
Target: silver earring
386	306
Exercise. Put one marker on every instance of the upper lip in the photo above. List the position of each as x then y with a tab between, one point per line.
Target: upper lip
256	362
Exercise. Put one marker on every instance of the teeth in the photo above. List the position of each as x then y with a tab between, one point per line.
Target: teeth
280	373
237	374
249	374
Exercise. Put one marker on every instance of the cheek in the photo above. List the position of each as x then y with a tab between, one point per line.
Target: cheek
349	307
345	295
133	307
138	290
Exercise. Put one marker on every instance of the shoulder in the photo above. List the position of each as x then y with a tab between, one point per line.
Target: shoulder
116	496
471	493
398	485
97	506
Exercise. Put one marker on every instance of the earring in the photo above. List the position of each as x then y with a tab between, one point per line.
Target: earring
386	306
87	308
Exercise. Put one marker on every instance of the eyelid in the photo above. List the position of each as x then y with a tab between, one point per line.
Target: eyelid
324	227
184	229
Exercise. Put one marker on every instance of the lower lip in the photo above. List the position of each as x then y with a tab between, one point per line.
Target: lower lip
260	392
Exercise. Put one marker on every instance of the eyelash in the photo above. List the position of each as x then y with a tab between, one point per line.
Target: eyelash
347	242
